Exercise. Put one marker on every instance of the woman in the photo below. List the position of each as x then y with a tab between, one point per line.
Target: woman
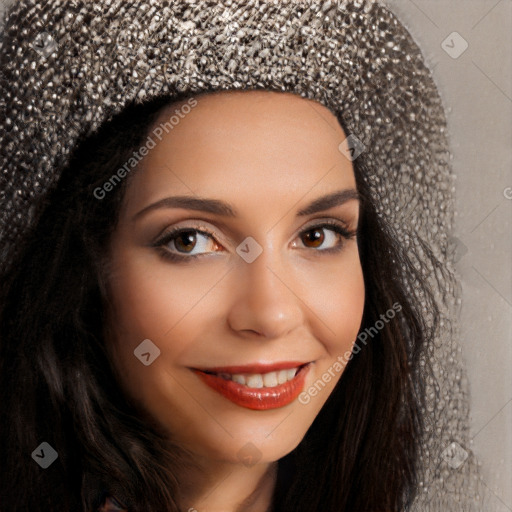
292	362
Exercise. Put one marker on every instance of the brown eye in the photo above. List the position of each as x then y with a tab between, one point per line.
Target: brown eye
185	241
314	236
328	237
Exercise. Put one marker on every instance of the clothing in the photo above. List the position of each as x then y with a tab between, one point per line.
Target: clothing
353	56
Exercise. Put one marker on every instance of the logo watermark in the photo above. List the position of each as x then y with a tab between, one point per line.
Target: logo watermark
146	352
454	45
45	455
454	455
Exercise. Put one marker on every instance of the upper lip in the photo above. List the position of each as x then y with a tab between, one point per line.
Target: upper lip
255	367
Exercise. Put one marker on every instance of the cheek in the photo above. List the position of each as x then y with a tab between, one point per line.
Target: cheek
153	300
338	299
338	305
150	300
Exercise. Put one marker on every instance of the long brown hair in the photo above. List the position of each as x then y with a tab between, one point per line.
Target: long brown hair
57	383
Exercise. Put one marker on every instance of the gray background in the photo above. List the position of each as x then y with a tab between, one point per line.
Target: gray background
477	92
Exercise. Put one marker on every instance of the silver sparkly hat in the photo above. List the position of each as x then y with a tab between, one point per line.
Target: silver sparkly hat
66	67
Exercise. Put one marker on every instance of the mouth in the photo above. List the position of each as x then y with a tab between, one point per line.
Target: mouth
258	387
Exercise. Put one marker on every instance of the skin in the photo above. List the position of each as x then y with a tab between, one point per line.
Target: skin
267	154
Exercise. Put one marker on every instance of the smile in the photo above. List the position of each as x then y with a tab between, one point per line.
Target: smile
257	390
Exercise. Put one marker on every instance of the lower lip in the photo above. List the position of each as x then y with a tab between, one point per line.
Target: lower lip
260	399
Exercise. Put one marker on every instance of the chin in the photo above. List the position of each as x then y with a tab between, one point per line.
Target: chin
248	443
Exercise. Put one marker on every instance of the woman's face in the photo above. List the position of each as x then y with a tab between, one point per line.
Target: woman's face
267	291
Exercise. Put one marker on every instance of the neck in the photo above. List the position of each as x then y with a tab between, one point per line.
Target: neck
226	487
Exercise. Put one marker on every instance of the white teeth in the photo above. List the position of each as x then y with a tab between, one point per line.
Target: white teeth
270	380
239	378
282	376
255	381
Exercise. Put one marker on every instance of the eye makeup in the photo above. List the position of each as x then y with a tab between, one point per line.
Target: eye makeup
170	237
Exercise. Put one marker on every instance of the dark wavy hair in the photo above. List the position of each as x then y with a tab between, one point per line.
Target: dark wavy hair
58	385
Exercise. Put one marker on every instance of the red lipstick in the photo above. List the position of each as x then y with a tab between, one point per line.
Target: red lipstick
260	399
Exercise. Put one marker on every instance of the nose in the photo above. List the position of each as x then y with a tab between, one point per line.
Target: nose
265	300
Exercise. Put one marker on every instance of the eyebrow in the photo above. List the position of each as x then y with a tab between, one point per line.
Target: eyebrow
218	207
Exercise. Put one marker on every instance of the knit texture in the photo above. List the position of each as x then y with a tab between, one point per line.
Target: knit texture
66	67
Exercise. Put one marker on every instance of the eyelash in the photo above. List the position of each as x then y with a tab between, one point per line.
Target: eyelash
171	235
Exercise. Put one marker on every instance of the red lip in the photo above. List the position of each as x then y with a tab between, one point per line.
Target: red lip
256	398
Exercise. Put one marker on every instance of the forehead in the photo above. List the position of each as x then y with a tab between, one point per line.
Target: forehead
257	144
255	110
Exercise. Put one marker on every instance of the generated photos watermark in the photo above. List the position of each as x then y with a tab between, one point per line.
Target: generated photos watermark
342	360
149	144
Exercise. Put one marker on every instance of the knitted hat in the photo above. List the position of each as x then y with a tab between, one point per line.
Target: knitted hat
66	67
